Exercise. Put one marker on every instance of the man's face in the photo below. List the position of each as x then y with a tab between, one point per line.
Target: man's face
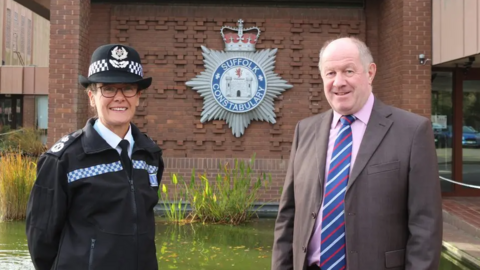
116	111
346	83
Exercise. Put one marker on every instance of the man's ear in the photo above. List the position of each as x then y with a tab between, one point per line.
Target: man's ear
372	70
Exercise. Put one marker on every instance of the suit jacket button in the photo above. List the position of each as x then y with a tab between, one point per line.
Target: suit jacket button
314	215
304	249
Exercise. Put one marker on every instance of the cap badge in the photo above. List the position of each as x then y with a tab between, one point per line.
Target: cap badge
119	53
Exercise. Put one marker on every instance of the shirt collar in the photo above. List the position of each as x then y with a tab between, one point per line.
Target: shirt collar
111	138
363	114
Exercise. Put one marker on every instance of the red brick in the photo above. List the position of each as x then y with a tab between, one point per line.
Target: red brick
69	24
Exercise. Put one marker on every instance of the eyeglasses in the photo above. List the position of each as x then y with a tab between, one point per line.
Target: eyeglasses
109	91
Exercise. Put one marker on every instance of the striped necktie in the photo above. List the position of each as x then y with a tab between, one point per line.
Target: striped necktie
332	247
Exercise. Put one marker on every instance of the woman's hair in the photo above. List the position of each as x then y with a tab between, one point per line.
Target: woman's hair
91	87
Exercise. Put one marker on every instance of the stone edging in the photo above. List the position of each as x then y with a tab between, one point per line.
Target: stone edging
460	255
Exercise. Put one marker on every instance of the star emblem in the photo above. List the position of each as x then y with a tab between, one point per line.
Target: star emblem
238	122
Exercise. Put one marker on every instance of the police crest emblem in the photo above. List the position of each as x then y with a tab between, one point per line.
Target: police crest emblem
239	84
119	54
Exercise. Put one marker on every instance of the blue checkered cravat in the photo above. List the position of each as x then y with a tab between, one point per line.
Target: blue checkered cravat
332	247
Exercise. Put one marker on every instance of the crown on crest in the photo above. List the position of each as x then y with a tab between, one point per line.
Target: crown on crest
238	40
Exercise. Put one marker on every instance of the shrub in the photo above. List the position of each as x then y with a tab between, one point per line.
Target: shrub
17	176
27	141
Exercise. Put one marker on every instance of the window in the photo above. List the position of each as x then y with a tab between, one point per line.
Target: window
29	37
41	115
470	135
22	36
442	120
15	32
8	33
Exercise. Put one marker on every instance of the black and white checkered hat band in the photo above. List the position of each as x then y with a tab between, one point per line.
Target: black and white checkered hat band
135	68
101	65
97	66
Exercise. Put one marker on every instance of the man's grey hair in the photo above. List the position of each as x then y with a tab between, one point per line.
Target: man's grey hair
364	52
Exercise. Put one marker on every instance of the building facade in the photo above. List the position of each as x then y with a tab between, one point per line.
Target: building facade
169	37
24	74
456	93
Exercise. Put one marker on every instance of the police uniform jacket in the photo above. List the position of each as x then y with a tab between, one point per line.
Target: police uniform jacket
86	213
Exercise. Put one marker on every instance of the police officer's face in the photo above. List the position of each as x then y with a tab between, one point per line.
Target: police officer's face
115	104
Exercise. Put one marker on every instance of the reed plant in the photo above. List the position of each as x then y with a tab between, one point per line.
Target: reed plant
175	208
17	176
230	197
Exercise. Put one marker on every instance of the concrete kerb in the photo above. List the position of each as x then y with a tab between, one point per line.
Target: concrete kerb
464	258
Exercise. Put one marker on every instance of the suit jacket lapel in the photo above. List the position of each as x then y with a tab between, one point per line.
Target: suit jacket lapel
322	133
377	128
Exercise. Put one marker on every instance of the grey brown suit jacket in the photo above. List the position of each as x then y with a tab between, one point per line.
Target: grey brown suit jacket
393	210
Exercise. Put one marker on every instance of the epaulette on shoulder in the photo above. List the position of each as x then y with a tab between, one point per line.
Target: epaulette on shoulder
154	146
59	147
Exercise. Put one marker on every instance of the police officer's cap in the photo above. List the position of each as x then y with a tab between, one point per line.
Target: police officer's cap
115	63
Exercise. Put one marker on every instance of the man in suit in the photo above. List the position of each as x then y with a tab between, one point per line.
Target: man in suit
362	189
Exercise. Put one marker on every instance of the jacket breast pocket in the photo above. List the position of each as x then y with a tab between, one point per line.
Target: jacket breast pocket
384	167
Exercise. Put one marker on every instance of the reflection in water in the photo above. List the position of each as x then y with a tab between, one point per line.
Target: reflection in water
196	246
183	247
13	247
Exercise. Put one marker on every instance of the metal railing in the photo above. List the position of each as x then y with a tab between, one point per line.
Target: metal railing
458	183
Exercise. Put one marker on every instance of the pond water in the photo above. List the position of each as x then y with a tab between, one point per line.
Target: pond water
184	247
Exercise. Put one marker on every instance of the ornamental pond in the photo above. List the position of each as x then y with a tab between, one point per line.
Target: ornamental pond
184	247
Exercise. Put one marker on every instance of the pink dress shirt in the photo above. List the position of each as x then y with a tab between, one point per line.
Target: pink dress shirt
358	129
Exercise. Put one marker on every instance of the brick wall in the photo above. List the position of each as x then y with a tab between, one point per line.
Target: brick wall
417	39
69	57
28	111
169	39
404	32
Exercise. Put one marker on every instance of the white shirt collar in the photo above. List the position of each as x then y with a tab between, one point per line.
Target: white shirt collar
113	139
